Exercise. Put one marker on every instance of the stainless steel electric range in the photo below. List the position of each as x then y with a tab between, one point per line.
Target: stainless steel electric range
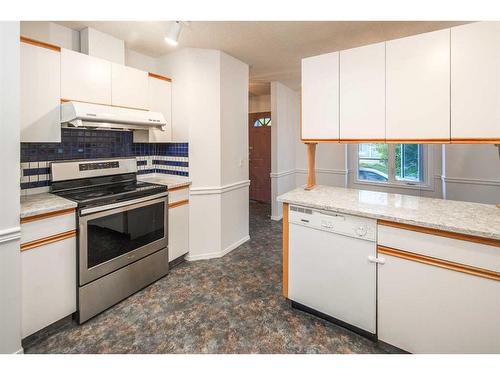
122	229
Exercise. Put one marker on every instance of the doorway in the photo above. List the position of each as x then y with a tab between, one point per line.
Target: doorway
259	156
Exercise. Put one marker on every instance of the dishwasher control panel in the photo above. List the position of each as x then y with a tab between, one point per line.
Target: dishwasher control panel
348	225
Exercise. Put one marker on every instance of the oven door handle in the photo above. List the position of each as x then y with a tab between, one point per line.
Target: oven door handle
92	210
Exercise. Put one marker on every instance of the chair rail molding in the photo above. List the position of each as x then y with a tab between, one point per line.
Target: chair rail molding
210	190
474	181
10	234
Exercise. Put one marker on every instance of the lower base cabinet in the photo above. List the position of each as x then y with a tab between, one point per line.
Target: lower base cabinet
48	284
178	223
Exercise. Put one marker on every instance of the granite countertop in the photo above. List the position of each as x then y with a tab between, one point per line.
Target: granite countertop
474	219
171	181
37	204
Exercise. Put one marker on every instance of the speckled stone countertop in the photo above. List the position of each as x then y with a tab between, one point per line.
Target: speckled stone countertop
474	219
171	181
37	204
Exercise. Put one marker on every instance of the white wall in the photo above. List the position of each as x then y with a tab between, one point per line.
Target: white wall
210	102
140	61
102	45
53	33
10	257
259	103
285	119
472	173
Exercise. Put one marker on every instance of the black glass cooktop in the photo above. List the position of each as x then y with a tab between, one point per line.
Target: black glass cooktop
108	193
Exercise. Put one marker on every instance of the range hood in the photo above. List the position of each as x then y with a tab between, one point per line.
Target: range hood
97	116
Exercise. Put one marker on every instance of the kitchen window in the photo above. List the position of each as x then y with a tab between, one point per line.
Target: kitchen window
396	164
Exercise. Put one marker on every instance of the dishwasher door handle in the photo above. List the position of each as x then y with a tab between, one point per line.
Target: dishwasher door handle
373	259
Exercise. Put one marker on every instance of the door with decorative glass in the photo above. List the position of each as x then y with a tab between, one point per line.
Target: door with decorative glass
259	156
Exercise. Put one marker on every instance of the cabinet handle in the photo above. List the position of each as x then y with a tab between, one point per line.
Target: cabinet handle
373	259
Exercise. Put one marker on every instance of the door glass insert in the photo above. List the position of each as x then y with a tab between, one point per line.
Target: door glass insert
110	236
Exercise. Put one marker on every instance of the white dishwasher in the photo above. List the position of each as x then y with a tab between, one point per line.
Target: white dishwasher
332	267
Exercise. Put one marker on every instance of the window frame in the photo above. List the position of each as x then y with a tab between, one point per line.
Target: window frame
427	165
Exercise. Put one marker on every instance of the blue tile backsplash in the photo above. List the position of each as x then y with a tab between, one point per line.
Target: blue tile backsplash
170	158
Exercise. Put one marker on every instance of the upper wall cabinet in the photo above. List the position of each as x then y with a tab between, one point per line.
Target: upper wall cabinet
475	83
40	92
320	98
418	88
159	100
85	78
362	94
129	87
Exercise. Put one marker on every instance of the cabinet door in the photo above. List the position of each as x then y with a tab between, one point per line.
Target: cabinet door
129	87
85	78
48	284
475	82
320	97
429	309
178	231
362	93
160	100
40	94
418	88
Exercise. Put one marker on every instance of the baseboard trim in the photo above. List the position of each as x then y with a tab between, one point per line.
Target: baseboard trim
282	174
342	172
10	234
277	218
217	254
19	351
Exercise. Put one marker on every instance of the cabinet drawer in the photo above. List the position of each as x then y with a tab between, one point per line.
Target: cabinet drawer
38	229
178	194
439	246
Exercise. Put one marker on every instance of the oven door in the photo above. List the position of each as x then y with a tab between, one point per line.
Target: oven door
118	234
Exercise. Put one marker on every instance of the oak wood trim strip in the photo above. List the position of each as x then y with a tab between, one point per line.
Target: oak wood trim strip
179	188
39	43
285	249
362	140
476	140
178	203
311	166
47	215
157	76
418	140
65	100
458	267
48	240
441	233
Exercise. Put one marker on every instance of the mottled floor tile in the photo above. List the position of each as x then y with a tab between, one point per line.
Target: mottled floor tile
227	305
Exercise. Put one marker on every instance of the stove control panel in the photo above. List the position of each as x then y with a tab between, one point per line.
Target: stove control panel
98	165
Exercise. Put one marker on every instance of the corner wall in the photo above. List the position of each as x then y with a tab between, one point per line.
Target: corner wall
10	232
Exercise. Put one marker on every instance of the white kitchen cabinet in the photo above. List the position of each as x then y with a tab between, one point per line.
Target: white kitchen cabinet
475	82
48	263
40	119
418	88
129	87
320	97
437	294
362	93
178	223
85	78
159	100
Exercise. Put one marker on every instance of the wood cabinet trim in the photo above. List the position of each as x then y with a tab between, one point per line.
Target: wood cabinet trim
476	140
179	188
157	76
47	215
458	267
178	203
65	100
38	43
359	140
285	250
48	240
441	233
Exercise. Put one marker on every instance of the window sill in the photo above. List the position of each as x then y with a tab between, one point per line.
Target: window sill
391	185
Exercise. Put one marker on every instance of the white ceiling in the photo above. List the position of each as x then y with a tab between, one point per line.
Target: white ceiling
273	49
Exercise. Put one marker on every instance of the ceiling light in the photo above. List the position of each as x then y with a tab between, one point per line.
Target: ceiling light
173	33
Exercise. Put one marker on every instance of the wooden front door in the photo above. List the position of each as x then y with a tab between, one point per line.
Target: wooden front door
259	140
